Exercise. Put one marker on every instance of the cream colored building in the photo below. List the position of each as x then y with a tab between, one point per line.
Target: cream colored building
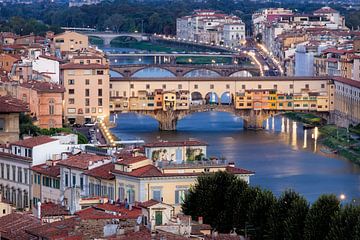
142	181
86	98
5	207
70	41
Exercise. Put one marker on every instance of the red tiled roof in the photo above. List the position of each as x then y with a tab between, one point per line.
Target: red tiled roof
347	81
83	66
56	230
15	56
52	209
175	144
82	161
103	172
44	169
146	171
120	209
44	86
51	58
236	170
34	141
12	105
14	225
325	10
144	234
149	203
131	160
93	213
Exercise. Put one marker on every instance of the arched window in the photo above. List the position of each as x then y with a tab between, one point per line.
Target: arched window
51	106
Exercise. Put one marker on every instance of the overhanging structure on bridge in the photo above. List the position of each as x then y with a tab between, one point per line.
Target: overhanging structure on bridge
181	70
253	98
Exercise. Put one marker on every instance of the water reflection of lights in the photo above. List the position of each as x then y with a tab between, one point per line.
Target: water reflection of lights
287	125
282	124
315	136
305	139
294	135
267	124
273	123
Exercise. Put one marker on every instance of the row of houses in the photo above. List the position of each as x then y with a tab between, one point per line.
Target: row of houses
255	99
55	77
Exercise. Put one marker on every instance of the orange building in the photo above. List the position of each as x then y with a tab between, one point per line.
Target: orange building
45	102
8	60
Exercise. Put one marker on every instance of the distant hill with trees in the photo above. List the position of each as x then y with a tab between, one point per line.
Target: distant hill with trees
129	16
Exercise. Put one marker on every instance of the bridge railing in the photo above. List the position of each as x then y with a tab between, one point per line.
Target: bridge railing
202	163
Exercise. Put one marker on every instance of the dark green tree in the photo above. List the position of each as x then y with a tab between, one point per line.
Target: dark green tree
343	224
208	198
317	223
261	215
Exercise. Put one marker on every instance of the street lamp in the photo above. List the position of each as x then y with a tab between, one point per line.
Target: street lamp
342	197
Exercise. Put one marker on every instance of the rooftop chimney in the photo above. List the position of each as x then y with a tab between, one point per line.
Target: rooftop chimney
39	210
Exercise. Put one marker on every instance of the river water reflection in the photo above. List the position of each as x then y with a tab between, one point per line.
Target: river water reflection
283	156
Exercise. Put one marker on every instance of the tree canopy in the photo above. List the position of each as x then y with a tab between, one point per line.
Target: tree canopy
227	203
129	16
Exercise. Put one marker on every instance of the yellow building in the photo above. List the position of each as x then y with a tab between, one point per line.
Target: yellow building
167	182
244	100
86	98
5	207
70	41
169	101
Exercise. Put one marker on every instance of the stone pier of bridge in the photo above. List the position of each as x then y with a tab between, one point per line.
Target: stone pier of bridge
253	119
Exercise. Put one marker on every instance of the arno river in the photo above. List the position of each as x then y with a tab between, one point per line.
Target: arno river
283	155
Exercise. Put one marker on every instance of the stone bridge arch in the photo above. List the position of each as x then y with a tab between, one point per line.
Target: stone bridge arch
241	73
189	72
132	73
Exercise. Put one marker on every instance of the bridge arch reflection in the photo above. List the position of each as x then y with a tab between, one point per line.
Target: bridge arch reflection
202	73
152	72
242	73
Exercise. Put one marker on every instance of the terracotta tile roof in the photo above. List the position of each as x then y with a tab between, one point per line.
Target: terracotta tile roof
44	169
82	161
236	170
324	10
93	213
149	203
56	230
222	236
102	172
131	160
34	141
176	144
44	86
14	225
12	105
144	234
120	209
142	172
52	209
83	66
347	81
51	58
150	170
15	56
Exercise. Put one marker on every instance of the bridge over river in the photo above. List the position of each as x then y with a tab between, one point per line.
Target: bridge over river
252	98
184	70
